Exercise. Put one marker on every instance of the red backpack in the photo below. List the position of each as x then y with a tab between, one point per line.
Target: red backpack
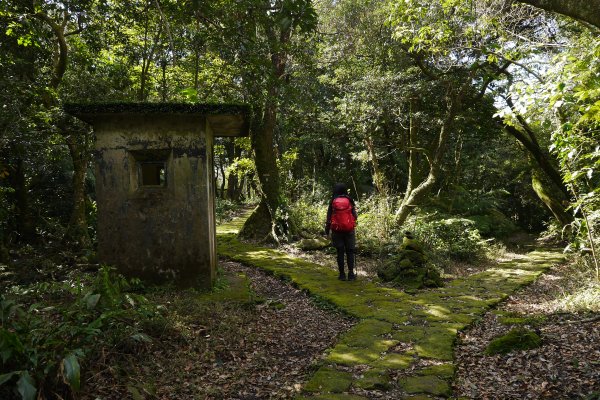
342	219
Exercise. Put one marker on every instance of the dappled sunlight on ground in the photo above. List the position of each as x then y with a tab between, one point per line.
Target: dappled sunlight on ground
399	332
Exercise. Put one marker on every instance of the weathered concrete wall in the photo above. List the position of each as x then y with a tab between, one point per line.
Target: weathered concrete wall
156	233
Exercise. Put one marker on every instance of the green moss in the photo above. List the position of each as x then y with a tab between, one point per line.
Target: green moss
409	333
348	355
429	319
394	361
441	371
438	343
341	396
516	339
329	380
374	379
426	384
365	333
231	287
313	244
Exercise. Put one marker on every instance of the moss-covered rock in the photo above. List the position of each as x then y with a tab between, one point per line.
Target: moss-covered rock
329	380
374	379
426	384
516	339
394	361
445	371
409	268
314	244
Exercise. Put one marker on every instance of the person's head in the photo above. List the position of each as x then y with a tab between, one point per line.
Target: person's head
339	189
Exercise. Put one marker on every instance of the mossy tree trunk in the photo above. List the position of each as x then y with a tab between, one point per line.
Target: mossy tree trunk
262	135
416	193
77	229
545	178
551	197
261	224
379	180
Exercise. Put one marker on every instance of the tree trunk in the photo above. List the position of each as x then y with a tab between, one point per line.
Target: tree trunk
77	231
262	137
541	158
222	169
582	10
263	143
413	197
232	177
551	197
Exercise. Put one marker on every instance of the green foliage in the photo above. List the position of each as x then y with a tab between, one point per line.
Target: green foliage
45	343
516	339
575	140
225	209
450	238
308	218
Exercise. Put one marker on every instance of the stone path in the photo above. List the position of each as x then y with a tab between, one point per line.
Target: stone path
406	338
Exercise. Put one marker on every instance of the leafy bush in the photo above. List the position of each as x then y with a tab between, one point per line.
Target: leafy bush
376	230
44	344
453	238
308	218
225	209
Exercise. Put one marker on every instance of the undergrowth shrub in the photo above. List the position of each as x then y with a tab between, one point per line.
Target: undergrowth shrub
453	238
445	239
225	209
308	218
376	230
45	342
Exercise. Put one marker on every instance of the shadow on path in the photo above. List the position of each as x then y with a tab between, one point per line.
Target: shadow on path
402	341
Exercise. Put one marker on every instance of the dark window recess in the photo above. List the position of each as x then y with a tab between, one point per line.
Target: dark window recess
153	174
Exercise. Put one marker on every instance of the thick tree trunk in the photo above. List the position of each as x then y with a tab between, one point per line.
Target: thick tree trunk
77	230
581	10
263	144
551	197
262	137
541	158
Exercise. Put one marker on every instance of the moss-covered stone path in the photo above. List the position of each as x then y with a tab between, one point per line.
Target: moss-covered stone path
403	338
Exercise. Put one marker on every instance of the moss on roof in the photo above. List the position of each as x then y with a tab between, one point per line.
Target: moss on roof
156	108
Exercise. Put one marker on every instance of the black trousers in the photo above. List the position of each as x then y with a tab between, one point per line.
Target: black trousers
345	244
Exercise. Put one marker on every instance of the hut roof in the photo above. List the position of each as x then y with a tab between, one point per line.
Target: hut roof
224	119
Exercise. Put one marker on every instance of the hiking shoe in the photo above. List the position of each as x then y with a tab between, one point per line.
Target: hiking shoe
342	277
351	276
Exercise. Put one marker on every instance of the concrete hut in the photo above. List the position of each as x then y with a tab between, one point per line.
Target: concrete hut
155	186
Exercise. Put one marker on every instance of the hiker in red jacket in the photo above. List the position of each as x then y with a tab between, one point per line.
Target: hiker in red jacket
341	220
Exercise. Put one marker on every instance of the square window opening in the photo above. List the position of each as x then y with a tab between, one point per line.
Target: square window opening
153	174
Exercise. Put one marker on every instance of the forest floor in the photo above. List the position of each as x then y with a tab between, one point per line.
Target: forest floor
280	326
403	345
